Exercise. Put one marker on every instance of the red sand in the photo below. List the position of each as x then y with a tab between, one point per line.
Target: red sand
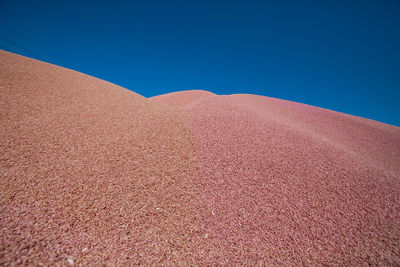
93	173
183	98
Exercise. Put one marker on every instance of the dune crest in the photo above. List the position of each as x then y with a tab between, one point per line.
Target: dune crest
183	98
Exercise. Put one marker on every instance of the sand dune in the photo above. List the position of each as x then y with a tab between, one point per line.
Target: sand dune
93	173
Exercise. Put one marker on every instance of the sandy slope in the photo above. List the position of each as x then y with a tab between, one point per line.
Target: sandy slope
90	172
93	173
297	184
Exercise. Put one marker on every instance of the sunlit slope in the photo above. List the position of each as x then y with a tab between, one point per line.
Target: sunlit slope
91	173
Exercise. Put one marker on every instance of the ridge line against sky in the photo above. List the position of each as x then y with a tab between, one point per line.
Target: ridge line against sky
210	91
334	55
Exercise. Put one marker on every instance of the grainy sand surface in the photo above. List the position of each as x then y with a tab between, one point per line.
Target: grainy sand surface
92	173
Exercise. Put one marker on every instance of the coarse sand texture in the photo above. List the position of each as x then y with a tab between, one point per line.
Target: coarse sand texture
92	174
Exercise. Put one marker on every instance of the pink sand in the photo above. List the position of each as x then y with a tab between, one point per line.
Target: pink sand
95	174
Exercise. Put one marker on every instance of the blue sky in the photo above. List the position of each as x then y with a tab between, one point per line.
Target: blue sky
340	55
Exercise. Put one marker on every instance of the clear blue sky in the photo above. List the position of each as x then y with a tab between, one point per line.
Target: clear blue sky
342	55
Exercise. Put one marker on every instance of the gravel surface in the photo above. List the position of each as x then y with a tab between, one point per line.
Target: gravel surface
92	173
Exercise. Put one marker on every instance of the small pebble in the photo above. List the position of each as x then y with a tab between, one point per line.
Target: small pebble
70	261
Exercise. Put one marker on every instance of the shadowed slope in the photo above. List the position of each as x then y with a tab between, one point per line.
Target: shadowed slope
91	172
293	184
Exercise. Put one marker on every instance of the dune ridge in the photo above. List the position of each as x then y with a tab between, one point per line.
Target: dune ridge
93	173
